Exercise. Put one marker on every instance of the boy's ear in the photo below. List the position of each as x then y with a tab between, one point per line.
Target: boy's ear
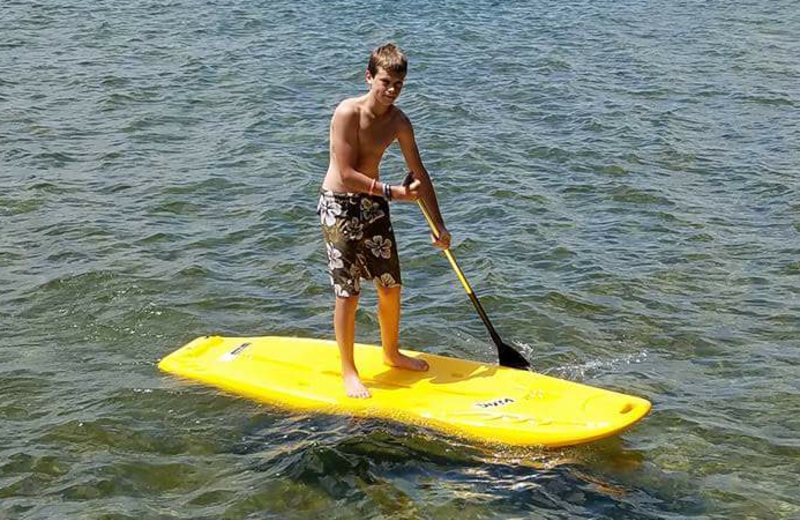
368	77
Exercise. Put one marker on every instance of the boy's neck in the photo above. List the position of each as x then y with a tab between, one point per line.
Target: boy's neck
375	108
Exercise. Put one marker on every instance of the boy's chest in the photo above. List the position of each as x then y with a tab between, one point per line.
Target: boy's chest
375	135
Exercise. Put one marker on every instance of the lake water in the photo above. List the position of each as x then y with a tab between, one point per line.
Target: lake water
621	182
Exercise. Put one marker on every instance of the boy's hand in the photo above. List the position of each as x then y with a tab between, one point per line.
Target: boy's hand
443	242
408	193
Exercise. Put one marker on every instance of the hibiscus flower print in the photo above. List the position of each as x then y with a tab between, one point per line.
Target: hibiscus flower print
387	280
380	247
334	258
361	262
328	210
353	229
370	210
355	275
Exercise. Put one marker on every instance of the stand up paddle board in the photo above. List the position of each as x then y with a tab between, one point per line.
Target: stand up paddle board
465	398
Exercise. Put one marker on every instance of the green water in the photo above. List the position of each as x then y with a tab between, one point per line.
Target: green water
620	180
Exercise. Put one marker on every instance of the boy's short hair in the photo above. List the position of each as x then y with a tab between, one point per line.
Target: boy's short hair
388	57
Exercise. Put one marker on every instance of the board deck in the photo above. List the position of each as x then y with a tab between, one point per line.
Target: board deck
456	396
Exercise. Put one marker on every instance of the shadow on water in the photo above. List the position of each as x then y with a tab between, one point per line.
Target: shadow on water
387	469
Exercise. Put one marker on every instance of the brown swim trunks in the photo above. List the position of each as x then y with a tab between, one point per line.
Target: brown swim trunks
359	241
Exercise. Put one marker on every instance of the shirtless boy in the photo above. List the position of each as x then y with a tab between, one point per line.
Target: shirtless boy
354	209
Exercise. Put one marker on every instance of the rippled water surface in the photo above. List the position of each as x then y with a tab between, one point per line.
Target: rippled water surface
621	180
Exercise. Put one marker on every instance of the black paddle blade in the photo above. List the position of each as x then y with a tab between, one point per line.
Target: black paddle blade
511	358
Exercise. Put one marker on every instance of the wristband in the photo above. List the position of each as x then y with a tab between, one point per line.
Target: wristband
387	191
372	187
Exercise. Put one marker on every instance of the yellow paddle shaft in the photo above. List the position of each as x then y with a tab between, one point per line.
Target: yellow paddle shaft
447	252
507	355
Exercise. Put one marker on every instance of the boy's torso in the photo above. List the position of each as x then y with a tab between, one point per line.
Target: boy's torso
375	134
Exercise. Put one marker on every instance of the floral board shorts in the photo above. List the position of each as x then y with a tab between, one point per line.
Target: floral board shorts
359	241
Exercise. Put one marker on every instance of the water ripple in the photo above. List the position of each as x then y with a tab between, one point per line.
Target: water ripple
620	180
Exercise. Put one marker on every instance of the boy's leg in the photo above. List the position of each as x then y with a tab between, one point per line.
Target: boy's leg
344	325
389	316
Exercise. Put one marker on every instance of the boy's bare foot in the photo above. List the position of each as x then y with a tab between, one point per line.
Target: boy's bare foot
355	388
406	362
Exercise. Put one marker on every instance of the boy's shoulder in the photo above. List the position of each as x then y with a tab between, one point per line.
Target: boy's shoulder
400	120
350	110
355	105
348	106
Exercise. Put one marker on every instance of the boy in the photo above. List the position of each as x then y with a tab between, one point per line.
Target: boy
354	209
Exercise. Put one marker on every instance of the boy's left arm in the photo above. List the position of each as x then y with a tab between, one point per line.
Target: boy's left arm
408	145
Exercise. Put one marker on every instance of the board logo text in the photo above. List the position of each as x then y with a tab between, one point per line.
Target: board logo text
230	356
497	402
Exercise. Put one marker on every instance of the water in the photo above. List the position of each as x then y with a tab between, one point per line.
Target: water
620	180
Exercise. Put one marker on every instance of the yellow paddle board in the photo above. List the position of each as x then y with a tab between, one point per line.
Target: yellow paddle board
465	398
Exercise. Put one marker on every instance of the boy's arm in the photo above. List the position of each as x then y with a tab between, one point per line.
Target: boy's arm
408	145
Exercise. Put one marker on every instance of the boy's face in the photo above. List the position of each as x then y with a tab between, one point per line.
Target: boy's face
385	85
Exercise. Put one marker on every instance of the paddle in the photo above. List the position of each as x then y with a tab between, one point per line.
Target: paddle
506	354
